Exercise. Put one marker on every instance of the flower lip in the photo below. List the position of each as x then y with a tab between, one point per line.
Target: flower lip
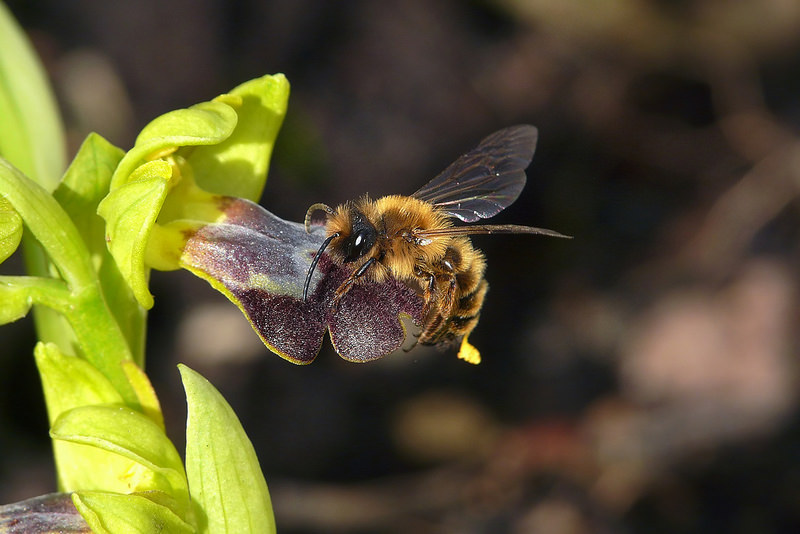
260	262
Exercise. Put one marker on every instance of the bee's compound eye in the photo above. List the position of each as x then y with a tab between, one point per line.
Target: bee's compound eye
358	245
361	240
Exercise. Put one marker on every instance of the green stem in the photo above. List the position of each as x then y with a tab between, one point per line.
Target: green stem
97	334
51	326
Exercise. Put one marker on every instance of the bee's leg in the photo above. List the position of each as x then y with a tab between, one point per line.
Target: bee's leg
313	209
428	292
448	297
342	290
446	280
436	326
431	330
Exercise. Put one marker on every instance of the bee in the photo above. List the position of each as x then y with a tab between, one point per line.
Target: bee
413	239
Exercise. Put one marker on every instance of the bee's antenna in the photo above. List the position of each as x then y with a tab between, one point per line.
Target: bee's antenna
312	210
315	261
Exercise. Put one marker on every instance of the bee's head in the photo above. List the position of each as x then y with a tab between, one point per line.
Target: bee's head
351	236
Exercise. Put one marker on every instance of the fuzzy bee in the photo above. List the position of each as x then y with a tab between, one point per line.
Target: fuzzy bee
413	239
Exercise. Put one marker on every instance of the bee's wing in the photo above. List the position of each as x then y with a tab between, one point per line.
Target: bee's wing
485	180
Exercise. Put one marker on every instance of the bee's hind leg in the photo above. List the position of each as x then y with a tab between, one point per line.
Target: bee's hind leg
432	330
448	300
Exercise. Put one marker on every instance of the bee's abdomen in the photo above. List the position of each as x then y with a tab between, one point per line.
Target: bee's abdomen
469	305
465	314
466	267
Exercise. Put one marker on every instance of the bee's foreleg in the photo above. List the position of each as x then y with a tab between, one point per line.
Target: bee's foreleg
342	290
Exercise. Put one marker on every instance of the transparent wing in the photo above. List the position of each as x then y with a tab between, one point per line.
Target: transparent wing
487	179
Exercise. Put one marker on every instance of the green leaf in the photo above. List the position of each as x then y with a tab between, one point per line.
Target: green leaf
238	166
155	464
207	123
84	185
130	212
113	513
225	478
31	133
10	229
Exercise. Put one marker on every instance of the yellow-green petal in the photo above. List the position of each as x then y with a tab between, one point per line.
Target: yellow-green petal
130	212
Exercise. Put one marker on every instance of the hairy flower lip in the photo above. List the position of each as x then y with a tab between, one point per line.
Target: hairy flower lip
260	261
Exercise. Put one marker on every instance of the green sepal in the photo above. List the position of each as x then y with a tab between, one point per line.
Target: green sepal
207	123
10	229
111	513
224	475
130	212
31	133
84	185
238	166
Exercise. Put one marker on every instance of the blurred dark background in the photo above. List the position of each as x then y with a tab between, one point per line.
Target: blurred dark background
639	378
